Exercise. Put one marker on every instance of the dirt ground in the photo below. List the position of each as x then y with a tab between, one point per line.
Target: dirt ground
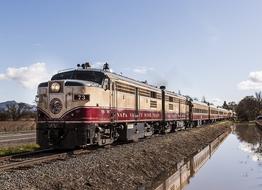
13	139
15	126
127	166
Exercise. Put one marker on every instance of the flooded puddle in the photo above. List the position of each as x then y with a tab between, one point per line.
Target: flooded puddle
232	161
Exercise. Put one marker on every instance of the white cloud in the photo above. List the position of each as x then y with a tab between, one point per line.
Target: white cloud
98	65
142	70
2	77
28	77
254	82
256	76
216	101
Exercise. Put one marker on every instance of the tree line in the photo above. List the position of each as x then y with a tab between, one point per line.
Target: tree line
249	107
17	111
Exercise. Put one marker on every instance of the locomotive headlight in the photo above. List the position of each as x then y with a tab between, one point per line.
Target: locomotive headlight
55	87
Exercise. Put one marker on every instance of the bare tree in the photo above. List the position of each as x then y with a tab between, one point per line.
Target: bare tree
232	106
16	111
225	106
3	116
258	96
204	99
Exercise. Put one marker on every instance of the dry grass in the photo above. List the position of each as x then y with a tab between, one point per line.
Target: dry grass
15	126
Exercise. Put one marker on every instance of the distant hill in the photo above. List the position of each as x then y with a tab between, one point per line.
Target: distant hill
3	105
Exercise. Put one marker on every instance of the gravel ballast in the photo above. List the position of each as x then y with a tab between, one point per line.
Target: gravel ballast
118	167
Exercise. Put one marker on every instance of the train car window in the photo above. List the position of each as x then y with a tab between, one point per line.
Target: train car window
143	92
153	94
92	76
214	112
125	88
153	104
159	96
176	100
197	110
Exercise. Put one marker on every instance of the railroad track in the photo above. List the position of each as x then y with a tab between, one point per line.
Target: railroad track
25	160
29	159
25	154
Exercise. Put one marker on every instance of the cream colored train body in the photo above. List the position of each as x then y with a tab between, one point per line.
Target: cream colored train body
86	106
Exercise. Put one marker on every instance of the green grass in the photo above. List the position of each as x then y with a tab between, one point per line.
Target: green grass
18	149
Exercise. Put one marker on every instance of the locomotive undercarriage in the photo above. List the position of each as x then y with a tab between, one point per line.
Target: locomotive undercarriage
72	135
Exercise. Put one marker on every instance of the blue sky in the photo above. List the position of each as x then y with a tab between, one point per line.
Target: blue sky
202	48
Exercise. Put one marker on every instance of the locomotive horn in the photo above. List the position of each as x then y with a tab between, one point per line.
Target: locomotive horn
86	65
106	67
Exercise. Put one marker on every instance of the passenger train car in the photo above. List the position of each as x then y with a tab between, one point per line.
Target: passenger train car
87	106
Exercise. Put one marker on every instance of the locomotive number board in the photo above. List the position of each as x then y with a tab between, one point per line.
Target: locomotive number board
81	97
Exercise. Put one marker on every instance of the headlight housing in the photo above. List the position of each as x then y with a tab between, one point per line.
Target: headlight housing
55	87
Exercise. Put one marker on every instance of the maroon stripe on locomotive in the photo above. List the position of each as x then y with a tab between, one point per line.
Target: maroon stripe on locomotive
91	114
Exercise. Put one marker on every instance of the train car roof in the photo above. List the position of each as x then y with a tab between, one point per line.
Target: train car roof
213	106
222	109
170	93
133	81
130	80
143	84
115	76
126	79
199	103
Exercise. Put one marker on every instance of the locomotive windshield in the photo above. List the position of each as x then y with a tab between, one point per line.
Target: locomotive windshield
93	76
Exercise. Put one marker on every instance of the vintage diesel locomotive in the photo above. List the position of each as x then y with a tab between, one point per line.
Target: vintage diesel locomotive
88	106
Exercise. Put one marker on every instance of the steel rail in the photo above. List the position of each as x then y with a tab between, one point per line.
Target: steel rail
24	154
29	162
16	164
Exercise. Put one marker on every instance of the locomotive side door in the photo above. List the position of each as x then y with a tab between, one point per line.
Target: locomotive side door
137	103
113	103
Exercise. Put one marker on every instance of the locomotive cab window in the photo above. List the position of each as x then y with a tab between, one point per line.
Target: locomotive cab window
92	76
106	83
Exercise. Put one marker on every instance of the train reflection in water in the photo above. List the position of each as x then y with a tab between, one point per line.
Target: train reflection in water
186	169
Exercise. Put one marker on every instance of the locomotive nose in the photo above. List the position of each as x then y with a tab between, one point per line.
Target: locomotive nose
56	98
